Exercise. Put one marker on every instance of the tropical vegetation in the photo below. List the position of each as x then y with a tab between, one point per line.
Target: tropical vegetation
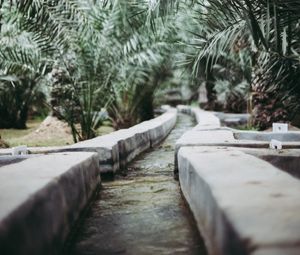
257	42
80	57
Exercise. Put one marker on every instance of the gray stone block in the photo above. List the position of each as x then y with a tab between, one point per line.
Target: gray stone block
290	136
235	138
233	119
105	146
160	127
5	152
242	204
205	118
131	142
41	197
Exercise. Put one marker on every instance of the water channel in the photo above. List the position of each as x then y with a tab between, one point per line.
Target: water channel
142	210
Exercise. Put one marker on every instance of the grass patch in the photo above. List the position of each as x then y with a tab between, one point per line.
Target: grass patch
11	133
32	138
246	127
16	137
40	142
104	130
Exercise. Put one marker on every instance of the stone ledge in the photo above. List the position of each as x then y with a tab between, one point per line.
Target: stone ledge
233	119
41	197
230	137
242	205
208	132
204	119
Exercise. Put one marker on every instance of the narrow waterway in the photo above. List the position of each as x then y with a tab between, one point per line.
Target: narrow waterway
142	211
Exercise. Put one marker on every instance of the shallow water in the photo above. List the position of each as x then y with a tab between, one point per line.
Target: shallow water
142	210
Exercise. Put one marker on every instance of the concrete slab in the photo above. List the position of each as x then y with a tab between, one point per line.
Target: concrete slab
287	160
233	119
131	142
205	118
232	138
211	134
215	137
161	126
242	204
41	197
290	136
105	146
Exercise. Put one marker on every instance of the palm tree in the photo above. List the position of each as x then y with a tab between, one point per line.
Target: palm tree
272	30
99	51
22	71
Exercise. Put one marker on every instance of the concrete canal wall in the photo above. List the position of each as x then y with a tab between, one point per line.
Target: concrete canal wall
41	197
243	195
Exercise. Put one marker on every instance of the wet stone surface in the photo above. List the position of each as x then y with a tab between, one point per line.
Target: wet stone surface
142	211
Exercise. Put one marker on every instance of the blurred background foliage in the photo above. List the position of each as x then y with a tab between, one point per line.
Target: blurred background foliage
81	59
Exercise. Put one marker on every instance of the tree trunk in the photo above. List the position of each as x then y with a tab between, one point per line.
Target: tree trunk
268	106
210	90
146	111
22	118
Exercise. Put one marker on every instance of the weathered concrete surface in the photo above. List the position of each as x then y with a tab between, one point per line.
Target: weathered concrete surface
135	140
105	146
142	212
205	118
216	137
161	126
208	132
227	137
215	118
41	197
242	205
8	159
213	137
233	119
287	160
291	136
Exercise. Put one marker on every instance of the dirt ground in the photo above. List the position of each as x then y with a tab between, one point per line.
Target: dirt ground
50	132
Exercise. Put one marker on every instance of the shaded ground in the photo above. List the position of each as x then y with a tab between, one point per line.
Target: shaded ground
49	132
9	135
142	212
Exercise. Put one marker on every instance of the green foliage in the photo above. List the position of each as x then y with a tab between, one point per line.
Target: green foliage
102	54
117	54
269	31
22	71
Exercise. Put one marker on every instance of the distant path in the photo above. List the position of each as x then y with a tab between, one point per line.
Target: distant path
142	212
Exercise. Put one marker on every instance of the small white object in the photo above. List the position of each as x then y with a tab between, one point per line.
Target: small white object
275	144
280	127
19	150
